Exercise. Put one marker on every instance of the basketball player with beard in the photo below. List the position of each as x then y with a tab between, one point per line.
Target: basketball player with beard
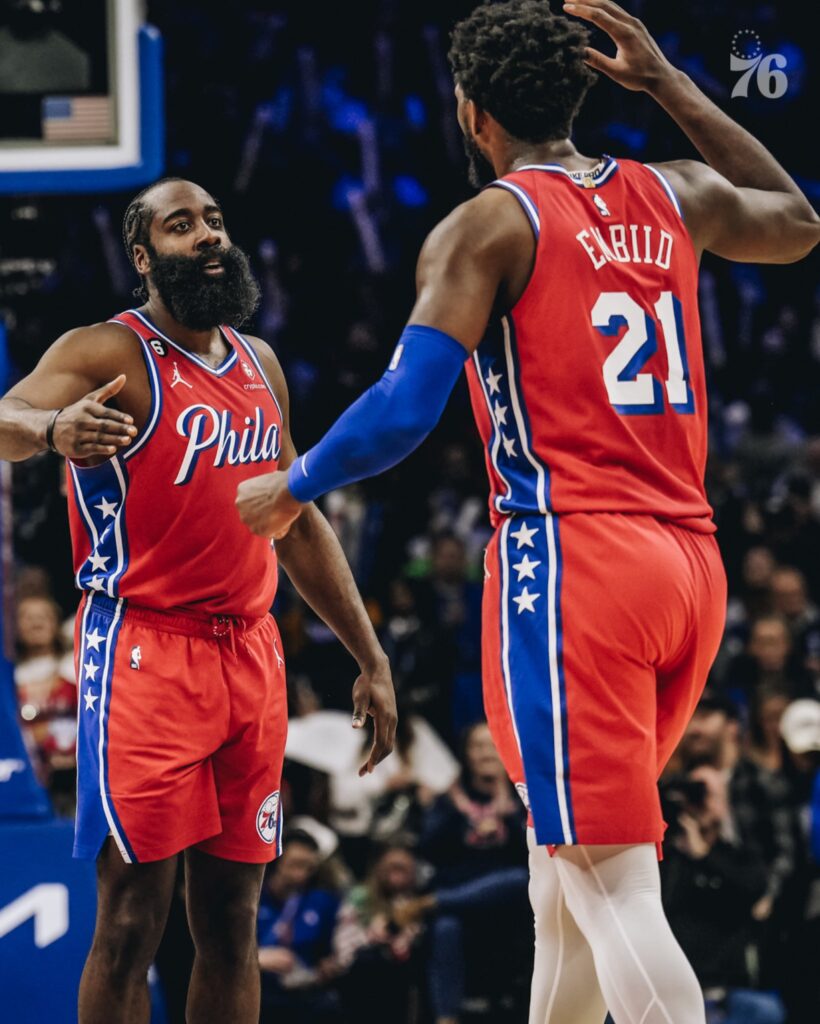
162	412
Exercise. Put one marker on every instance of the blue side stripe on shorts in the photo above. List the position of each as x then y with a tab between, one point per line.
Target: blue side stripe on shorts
531	563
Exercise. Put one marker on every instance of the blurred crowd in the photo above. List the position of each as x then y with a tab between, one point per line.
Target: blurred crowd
402	897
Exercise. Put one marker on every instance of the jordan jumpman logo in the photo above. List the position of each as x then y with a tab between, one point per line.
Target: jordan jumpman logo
178	379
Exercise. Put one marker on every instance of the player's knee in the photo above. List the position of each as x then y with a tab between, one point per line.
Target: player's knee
226	930
126	940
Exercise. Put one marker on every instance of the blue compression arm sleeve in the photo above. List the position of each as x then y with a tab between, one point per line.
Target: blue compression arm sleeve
390	419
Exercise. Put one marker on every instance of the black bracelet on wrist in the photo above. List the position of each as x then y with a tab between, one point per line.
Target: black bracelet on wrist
50	431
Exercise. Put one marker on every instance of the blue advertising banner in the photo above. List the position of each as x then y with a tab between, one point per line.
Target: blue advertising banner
47	907
21	796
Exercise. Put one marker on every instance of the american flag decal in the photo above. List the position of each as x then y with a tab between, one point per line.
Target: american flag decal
77	119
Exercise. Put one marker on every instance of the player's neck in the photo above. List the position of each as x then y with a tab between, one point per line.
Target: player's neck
201	342
518	154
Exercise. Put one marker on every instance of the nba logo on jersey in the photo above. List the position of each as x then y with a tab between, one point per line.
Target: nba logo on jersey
603	209
136	657
266	818
248	370
522	791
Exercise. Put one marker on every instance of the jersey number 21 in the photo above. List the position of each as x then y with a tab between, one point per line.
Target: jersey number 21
631	392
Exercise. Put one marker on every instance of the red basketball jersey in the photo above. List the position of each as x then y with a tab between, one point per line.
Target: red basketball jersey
157	523
590	394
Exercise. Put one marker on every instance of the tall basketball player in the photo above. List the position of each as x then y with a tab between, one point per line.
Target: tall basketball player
570	288
161	413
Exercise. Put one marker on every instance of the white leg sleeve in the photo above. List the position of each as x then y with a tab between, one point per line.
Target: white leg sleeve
614	894
565	988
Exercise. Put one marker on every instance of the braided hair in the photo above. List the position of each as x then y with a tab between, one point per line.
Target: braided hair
136	228
524	65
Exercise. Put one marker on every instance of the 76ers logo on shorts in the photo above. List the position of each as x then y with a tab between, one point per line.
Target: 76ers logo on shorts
266	818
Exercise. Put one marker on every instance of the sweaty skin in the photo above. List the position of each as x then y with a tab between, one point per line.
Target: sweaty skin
740	204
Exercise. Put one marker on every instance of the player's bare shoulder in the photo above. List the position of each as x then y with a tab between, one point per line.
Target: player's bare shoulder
86	358
491	225
481	254
700	190
103	349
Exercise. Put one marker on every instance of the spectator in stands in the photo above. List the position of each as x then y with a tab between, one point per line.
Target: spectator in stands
475	838
800	727
295	930
389	802
381	958
47	697
766	662
753	597
421	656
711	880
795	526
758	811
765	746
791	599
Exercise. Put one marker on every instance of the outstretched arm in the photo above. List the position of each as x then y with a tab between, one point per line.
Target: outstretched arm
741	204
61	403
481	250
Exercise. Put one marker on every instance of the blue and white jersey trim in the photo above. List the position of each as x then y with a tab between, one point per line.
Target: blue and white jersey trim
101	495
257	362
217	371
597	176
524	476
529	206
673	199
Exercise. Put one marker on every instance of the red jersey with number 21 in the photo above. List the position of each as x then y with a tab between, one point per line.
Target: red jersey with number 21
590	394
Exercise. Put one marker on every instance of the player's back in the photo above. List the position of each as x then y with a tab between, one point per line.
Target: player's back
590	394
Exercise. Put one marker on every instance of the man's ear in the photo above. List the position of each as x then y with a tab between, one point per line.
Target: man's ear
142	261
475	116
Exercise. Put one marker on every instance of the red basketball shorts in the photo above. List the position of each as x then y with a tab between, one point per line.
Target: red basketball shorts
182	727
598	634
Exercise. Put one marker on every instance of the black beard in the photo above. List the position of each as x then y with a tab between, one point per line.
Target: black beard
480	171
199	301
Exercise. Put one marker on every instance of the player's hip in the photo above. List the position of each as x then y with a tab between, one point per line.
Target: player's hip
632	578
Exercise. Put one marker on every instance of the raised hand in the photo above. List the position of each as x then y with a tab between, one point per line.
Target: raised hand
89	427
639	63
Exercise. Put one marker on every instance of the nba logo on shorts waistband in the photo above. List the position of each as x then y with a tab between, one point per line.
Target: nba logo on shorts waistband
266	818
136	657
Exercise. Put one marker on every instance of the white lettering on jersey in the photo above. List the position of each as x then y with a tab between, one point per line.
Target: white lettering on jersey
609	244
206	428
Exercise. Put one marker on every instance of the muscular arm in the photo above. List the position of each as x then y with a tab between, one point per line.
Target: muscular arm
78	374
741	204
313	559
482	252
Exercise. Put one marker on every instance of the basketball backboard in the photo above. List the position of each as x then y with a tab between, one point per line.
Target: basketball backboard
81	96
